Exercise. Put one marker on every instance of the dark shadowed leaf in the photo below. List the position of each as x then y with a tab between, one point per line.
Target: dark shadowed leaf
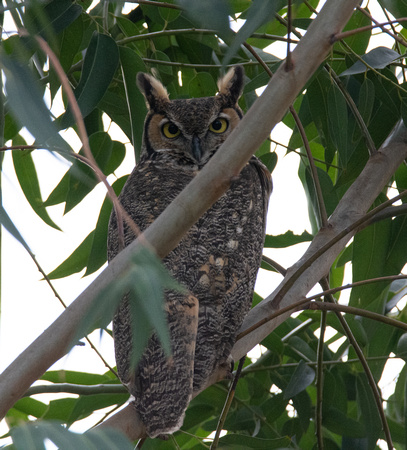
378	58
303	376
397	7
202	85
368	410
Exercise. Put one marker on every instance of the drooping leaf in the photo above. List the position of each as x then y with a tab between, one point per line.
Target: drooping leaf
92	252
338	122
131	63
260	12
11	228
99	66
25	100
28	179
202	13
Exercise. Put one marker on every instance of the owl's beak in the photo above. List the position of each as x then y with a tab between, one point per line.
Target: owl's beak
196	148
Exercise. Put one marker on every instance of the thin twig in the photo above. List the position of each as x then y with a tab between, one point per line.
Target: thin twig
227	404
275	265
393	34
348	33
320	382
301	305
288	61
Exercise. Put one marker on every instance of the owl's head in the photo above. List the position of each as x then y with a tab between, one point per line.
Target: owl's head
192	129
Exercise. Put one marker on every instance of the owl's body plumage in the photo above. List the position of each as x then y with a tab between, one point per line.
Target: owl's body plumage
216	261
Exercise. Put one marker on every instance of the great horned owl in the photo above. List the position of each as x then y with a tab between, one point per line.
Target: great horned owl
216	261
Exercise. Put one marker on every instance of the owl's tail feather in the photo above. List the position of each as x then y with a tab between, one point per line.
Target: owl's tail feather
164	384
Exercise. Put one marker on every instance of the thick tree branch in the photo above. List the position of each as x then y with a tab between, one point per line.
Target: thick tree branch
199	195
353	205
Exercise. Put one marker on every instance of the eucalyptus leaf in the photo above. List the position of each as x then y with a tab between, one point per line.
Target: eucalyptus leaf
28	179
287	239
99	66
27	104
378	58
131	64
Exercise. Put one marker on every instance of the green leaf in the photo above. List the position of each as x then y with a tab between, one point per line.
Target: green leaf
211	14
269	160
76	261
287	239
98	251
378	58
80	179
338	122
202	85
303	376
131	63
52	18
397	7
92	252
259	13
31	436
368	410
11	228
99	66
28	179
31	407
370	248
26	101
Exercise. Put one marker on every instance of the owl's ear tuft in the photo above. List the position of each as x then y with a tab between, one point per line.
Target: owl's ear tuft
231	85
152	89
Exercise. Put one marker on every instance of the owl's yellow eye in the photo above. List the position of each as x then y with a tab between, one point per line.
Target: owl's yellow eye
219	125
170	130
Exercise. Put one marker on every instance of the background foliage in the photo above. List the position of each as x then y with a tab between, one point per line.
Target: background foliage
347	110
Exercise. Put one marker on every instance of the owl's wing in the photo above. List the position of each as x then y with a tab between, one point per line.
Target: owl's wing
162	385
265	181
